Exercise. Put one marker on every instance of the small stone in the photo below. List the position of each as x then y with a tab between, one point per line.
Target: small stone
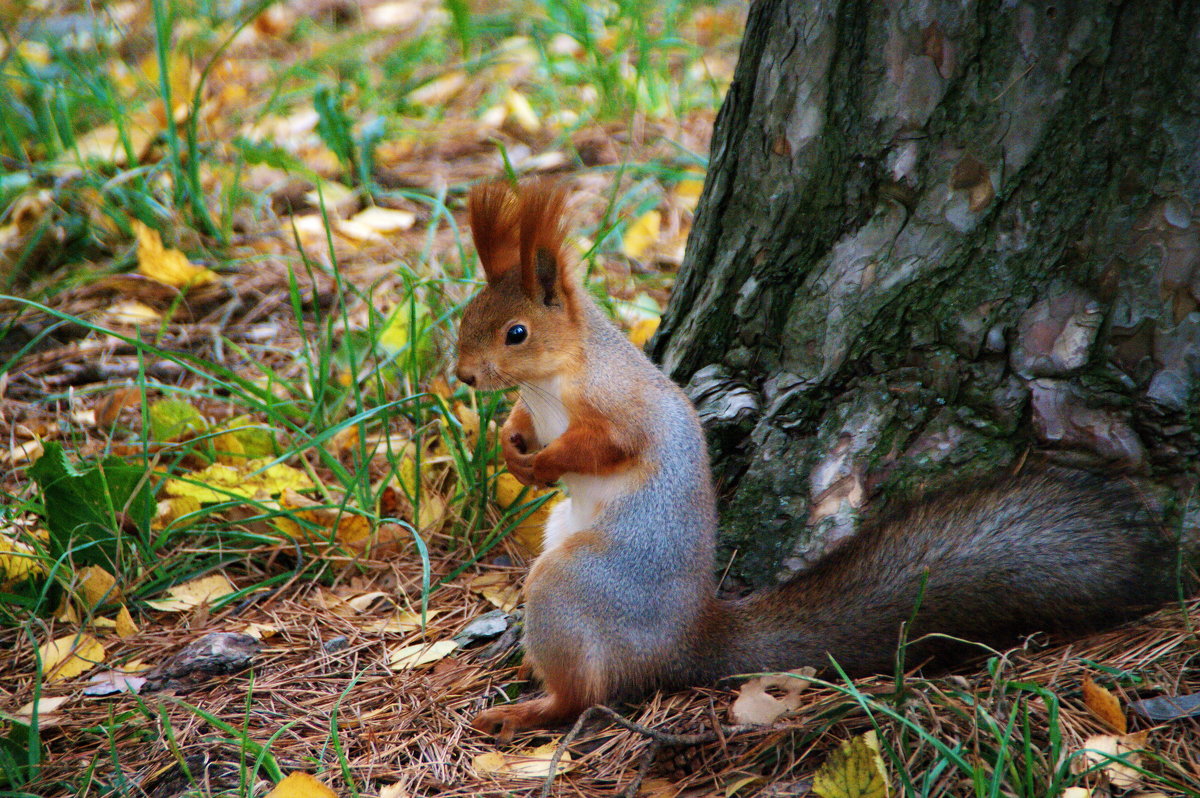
485	627
336	644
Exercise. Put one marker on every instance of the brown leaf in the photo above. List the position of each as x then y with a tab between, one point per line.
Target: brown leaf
1104	705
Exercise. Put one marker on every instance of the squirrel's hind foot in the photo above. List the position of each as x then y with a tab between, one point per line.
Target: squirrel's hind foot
540	713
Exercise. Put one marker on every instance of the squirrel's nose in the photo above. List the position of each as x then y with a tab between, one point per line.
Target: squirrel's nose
469	379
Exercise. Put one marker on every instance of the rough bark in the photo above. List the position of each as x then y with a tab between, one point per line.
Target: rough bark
936	237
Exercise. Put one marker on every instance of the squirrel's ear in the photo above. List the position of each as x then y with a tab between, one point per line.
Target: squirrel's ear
492	211
543	237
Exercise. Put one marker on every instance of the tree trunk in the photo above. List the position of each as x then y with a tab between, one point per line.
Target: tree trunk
935	239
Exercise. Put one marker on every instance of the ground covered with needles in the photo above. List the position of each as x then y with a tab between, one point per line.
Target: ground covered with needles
253	541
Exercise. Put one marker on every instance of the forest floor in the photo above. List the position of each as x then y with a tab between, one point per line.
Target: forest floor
233	252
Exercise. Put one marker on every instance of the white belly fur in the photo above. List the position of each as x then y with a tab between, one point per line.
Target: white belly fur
543	399
588	494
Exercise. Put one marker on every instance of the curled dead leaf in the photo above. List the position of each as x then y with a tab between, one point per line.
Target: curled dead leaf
496	588
755	704
1118	757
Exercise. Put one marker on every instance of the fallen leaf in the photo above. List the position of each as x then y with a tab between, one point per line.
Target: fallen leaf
496	588
1076	792
531	763
1104	705
408	657
47	715
70	655
687	193
125	624
175	419
109	408
384	220
24	452
301	785
104	143
854	770
113	682
755	705
530	532
98	586
171	509
249	479
185	596
130	312
169	266
404	622
439	91
1118	756
259	631
363	602
641	332
521	111
737	784
19	560
642	234
1168	707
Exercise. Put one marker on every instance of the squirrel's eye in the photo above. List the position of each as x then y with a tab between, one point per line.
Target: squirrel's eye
516	334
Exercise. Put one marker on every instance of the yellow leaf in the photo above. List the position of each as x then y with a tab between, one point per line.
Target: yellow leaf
1076	792
204	590
301	785
125	624
441	90
641	331
687	193
104	143
131	312
530	532
521	111
531	763
98	586
246	479
18	560
407	657
70	656
1104	705
24	452
854	770
171	508
168	266
497	590
404	622
259	631
642	234
384	220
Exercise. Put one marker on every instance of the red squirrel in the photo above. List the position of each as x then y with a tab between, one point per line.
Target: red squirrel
622	598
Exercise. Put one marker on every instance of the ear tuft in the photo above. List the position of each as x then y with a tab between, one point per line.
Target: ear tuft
542	243
492	210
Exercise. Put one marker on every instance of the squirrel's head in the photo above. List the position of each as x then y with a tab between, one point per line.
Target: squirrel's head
525	324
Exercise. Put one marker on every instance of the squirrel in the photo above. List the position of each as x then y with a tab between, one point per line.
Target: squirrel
622	598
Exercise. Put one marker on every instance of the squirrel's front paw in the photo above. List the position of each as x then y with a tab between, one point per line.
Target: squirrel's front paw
519	464
545	475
